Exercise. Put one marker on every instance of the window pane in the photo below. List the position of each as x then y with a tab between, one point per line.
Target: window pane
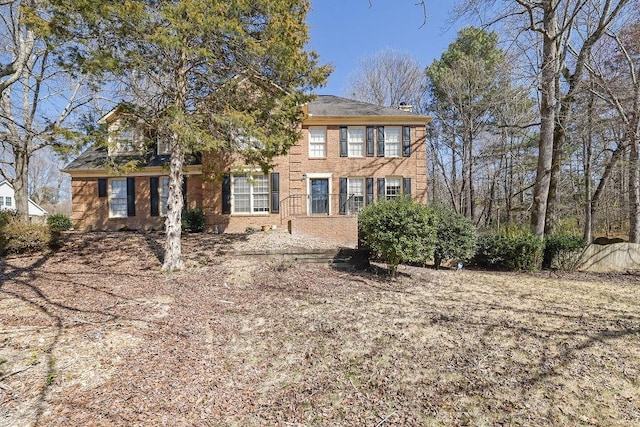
261	203
118	188
118	198
392	136
242	203
8	201
260	184
356	194
355	139
393	187
240	185
164	194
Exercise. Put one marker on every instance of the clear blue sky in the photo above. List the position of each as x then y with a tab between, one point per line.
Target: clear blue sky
345	31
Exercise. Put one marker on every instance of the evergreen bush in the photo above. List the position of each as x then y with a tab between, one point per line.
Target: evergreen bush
456	236
562	251
193	220
398	230
59	222
513	249
24	237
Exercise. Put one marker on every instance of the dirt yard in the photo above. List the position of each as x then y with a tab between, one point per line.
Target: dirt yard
96	335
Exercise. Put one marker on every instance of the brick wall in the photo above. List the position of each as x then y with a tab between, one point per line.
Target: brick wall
341	230
90	212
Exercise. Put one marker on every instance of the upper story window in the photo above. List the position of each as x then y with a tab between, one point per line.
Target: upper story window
164	146
250	194
317	142
124	142
392	141
355	141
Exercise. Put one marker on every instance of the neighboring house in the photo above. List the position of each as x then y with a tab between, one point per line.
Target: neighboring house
350	155
8	201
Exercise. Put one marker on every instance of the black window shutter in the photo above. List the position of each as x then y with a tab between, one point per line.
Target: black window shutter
343	142
226	194
102	187
380	141
369	191
154	196
131	196
370	141
406	186
343	195
184	191
406	141
275	192
381	189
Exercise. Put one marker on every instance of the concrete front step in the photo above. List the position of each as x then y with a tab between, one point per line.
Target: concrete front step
346	257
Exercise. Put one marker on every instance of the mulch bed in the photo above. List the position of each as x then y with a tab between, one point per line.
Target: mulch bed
96	334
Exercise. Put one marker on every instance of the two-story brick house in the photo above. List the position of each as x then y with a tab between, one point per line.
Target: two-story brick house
350	155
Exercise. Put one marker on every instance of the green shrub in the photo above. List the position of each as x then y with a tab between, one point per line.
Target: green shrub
562	251
59	222
456	236
6	217
193	220
512	249
23	237
398	230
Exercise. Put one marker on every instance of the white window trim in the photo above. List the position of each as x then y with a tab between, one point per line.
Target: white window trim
364	141
8	201
110	198
363	194
386	141
324	143
386	187
315	175
251	205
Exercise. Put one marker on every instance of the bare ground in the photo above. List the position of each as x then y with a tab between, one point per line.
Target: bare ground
95	335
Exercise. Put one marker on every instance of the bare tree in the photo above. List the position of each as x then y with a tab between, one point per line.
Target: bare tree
565	32
37	95
617	81
389	78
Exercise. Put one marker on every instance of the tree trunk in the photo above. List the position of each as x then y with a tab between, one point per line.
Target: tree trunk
175	202
587	156
634	188
20	183
547	119
173	222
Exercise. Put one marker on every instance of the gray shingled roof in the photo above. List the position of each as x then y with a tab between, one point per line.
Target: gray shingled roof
96	158
335	106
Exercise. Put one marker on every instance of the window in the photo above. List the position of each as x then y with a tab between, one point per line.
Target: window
164	194
356	194
118	198
8	202
124	141
355	141
317	142
392	187
1	201
164	146
392	139
250	194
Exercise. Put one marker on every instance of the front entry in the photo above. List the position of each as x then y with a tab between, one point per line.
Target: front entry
319	196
